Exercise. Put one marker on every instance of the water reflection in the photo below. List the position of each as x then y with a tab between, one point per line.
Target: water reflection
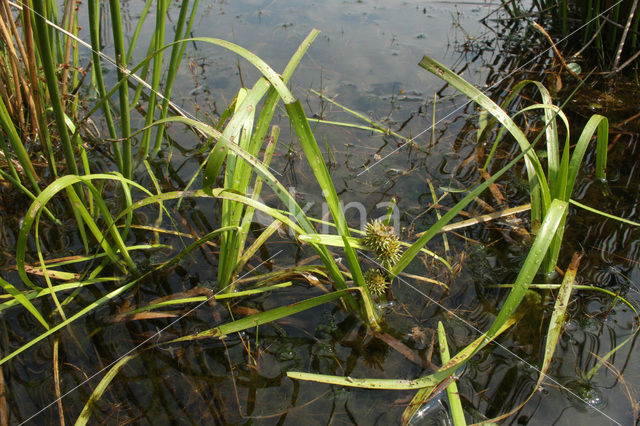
366	59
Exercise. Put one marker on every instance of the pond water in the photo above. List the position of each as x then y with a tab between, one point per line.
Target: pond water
366	59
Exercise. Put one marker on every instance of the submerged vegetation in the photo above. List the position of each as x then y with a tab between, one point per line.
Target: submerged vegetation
91	152
609	27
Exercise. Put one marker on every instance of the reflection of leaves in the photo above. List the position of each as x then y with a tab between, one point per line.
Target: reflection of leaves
405	350
527	331
506	391
374	353
372	350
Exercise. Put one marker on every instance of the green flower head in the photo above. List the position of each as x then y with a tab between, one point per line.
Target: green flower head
383	241
376	281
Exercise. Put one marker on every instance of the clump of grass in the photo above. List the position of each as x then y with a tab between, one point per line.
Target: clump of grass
550	197
236	150
609	29
30	57
563	163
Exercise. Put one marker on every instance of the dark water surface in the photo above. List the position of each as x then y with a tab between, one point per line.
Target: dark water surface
366	58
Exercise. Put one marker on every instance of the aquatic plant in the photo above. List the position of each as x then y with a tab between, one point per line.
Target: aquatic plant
29	57
240	167
105	206
549	199
563	163
609	30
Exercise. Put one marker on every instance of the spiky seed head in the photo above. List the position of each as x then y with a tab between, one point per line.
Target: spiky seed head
383	241
376	281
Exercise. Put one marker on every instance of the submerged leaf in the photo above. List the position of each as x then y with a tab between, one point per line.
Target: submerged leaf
84	416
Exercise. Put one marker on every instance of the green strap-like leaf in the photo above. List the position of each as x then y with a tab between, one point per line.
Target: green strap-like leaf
399	384
263	318
112	295
84	416
455	406
532	263
294	209
601	124
18	296
537	179
553	334
55	187
316	161
504	319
